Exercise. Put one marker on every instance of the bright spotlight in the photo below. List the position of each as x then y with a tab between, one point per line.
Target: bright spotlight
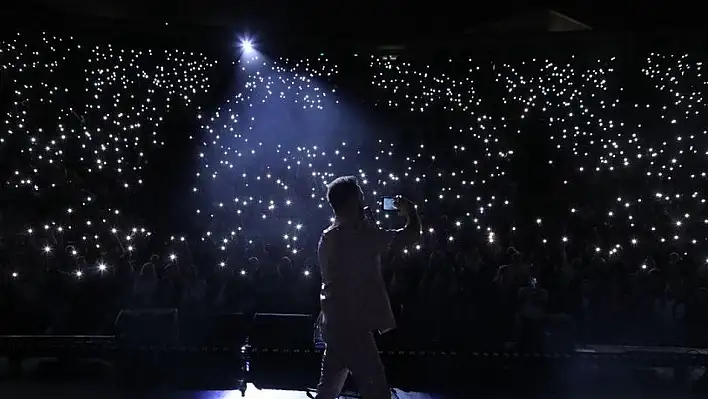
247	45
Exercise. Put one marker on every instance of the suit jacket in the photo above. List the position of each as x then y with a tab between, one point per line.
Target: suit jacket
353	288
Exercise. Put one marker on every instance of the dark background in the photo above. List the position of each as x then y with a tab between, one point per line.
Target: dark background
368	20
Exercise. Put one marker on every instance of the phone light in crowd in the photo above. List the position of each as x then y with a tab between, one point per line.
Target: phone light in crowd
78	274
101	267
173	257
306	273
243	272
47	249
222	264
644	266
14	274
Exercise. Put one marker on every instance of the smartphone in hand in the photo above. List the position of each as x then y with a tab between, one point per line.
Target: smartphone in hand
388	204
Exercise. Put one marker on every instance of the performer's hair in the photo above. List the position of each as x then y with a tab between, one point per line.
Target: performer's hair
340	191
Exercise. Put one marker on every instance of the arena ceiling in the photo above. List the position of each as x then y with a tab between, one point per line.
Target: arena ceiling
366	18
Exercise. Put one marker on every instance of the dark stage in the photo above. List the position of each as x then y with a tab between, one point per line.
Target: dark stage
73	367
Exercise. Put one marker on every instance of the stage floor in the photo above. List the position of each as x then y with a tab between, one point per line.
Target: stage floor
73	391
47	378
60	391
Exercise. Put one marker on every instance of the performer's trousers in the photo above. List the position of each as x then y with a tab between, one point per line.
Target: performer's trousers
351	350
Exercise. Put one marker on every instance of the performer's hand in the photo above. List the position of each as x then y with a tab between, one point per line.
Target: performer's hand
405	206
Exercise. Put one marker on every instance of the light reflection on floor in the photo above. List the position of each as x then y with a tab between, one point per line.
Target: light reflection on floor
28	390
254	393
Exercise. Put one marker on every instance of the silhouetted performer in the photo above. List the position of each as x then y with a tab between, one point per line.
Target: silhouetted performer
353	297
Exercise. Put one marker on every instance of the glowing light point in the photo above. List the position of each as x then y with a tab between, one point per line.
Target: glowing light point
247	45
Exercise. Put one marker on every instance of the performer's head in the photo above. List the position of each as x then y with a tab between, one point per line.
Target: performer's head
346	197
